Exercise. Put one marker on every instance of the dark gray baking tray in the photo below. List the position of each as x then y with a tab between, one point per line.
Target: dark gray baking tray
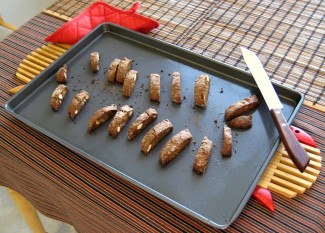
218	196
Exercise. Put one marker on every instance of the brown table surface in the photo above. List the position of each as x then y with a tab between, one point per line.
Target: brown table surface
288	36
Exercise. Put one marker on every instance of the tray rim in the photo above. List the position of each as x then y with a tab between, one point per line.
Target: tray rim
107	27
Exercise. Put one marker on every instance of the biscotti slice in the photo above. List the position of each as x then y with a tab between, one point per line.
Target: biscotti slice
77	104
226	149
201	90
58	96
155	87
111	74
129	82
202	156
94	61
176	88
241	107
142	122
123	68
241	122
174	146
155	135
101	116
120	119
62	74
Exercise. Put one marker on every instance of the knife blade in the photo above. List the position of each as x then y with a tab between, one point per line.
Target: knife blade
295	151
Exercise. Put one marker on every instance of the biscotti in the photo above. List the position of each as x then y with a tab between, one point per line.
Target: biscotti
241	107
111	74
202	156
226	149
94	61
201	90
123	68
174	146
58	96
155	87
155	135
122	116
241	122
129	82
62	74
176	88
77	104
142	122
101	116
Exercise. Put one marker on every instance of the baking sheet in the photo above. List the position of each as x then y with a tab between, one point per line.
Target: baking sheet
216	197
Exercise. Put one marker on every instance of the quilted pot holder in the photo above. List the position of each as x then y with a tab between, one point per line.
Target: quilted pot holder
97	13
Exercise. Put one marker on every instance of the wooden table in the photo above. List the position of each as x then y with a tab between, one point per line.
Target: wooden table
289	38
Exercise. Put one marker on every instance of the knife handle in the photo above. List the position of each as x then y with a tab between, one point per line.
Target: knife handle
297	154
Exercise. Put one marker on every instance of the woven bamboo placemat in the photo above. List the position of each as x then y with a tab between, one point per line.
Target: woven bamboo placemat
288	36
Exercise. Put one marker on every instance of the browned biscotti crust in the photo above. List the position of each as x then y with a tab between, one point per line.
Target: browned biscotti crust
94	61
123	68
174	146
202	156
155	87
155	135
241	122
241	107
142	122
101	116
122	116
112	70
201	90
176	88
62	74
129	82
58	96
226	149
77	104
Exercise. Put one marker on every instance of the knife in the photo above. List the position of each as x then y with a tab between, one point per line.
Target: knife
295	151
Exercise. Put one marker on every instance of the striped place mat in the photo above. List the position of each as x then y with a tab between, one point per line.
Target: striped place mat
288	36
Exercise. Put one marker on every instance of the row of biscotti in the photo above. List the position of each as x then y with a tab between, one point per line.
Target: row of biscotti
152	138
120	71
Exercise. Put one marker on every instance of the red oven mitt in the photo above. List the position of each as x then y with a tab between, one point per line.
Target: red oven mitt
97	13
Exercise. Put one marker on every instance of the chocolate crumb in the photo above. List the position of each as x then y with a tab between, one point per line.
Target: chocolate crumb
215	121
221	90
92	82
162	71
215	145
184	97
142	85
194	142
169	74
